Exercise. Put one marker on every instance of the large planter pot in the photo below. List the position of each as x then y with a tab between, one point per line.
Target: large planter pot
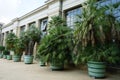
16	58
9	57
4	56
96	69
57	65
28	59
1	55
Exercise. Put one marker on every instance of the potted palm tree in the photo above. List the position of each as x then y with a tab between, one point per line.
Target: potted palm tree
55	47
56	20
97	40
29	38
1	50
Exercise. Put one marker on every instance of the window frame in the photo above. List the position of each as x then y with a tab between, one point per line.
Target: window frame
71	10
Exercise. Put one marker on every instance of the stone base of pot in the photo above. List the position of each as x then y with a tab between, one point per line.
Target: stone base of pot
9	57
96	69
28	59
16	58
42	63
5	56
1	55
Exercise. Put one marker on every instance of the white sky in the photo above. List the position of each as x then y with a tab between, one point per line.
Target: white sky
10	9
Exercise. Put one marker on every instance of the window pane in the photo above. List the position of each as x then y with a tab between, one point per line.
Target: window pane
72	17
43	26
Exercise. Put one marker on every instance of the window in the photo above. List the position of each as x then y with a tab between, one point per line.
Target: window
43	26
32	24
71	16
7	33
22	29
2	38
116	11
11	31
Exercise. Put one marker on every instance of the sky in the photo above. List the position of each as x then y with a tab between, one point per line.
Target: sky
10	9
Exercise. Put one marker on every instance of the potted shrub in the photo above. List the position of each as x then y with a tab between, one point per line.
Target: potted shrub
56	20
18	50
10	41
5	53
8	55
56	46
1	49
96	39
29	38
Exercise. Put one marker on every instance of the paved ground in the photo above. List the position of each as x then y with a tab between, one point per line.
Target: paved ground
10	70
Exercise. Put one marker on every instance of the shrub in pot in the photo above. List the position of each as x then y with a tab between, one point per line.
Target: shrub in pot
29	38
98	57
5	53
10	42
18	49
56	21
56	47
95	39
1	50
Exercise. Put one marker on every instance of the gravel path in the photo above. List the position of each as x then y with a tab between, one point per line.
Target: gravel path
10	70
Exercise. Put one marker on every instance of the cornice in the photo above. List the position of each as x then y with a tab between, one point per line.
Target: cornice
33	11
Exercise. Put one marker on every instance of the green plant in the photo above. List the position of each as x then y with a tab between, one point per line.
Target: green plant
56	21
93	37
1	49
10	41
56	45
6	52
19	47
29	38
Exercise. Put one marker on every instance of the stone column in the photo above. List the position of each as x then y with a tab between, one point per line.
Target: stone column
37	24
35	47
4	38
18	31
26	27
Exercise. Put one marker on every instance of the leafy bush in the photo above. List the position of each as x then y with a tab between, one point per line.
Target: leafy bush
6	52
10	41
1	48
19	47
96	34
57	45
29	38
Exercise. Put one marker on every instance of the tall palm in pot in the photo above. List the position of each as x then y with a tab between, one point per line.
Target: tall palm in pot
55	47
95	34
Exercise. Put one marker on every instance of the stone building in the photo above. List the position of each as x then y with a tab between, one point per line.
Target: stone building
41	16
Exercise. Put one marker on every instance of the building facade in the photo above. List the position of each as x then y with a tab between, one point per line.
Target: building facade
1	25
40	16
